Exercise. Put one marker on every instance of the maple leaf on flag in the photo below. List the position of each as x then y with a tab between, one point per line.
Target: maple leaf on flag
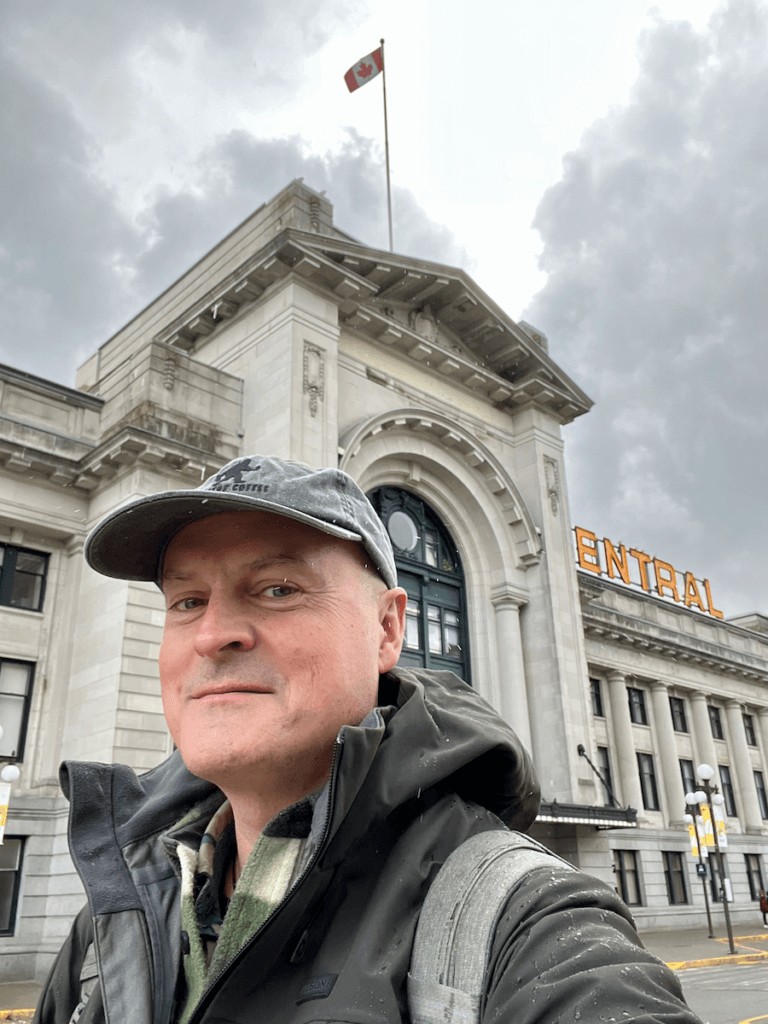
365	69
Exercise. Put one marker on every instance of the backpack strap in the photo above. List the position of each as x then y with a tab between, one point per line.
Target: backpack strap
457	924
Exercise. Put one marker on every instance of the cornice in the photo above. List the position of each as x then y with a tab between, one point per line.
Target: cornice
496	358
129	447
649	639
50	388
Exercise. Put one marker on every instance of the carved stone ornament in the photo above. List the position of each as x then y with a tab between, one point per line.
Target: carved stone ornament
552	475
314	376
424	323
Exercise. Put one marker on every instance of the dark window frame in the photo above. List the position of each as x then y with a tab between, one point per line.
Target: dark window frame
604	764
626	869
715	722
754	868
688	775
762	793
596	696
678	713
437	592
726	788
749	729
26	698
675	876
646	769
9	927
638	711
9	576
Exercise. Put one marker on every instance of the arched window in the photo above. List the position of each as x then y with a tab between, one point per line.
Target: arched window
429	569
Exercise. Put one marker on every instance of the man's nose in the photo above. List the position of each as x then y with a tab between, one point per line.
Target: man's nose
224	626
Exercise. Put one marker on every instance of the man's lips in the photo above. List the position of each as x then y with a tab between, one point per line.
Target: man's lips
229	690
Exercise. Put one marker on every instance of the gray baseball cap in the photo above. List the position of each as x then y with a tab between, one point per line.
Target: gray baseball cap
130	542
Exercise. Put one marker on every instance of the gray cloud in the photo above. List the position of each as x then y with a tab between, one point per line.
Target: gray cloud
78	80
62	241
654	243
238	172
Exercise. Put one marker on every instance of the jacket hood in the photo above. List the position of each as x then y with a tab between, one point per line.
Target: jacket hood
439	733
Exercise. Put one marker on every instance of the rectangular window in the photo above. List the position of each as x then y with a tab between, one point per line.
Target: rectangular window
604	767
11	857
637	712
22	577
412	639
677	710
726	788
688	775
648	787
596	692
443	627
715	722
15	698
626	870
762	796
674	876
749	730
754	874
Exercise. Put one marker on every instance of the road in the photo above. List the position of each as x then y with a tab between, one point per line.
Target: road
733	994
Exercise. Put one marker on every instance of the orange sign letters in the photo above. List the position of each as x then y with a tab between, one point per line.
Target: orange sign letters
628	565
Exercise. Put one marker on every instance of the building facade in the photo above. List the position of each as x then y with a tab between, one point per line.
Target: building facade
291	338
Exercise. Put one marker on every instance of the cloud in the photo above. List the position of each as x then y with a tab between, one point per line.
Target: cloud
62	240
654	246
238	172
121	166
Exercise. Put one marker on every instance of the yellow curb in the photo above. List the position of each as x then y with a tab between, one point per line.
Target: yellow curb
14	1015
718	961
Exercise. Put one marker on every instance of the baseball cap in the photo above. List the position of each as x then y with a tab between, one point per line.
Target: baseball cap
130	542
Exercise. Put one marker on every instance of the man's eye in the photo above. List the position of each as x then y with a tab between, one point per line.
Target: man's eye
186	604
279	590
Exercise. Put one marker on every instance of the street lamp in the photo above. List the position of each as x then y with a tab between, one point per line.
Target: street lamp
9	773
711	794
692	800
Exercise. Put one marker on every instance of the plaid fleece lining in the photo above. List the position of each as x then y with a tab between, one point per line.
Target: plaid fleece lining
217	931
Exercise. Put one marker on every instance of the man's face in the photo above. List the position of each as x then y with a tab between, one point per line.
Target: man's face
275	635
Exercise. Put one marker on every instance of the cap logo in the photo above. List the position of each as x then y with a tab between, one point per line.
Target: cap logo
237	478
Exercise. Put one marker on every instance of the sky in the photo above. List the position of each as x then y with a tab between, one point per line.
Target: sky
598	168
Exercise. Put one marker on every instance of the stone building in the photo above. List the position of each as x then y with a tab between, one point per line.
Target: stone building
292	338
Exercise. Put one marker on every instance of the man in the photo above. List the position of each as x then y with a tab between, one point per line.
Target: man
273	868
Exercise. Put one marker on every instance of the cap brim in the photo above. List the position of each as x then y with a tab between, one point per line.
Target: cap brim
130	542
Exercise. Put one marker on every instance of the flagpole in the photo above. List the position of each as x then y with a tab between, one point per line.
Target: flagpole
386	143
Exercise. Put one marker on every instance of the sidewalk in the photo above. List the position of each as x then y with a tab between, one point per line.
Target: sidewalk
17	996
694	948
679	949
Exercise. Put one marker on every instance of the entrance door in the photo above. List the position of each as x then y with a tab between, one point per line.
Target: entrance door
430	571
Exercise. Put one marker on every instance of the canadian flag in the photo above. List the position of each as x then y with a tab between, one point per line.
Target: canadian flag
365	69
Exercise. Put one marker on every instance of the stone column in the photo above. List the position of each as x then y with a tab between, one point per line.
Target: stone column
746	794
703	743
509	652
624	742
666	750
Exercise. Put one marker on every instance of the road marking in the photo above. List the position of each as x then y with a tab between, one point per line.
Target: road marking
717	961
751	1020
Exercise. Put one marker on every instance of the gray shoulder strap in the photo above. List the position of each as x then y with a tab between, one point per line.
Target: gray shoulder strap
458	922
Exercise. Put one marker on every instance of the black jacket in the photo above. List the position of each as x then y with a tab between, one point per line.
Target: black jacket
438	766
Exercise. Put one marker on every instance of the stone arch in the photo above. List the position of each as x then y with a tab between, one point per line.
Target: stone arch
401	441
474	495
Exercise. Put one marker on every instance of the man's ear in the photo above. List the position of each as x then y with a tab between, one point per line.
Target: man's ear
392	618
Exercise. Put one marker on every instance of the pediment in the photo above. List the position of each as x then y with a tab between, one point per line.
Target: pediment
433	314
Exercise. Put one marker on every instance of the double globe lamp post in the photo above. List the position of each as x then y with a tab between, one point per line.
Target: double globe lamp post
710	795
